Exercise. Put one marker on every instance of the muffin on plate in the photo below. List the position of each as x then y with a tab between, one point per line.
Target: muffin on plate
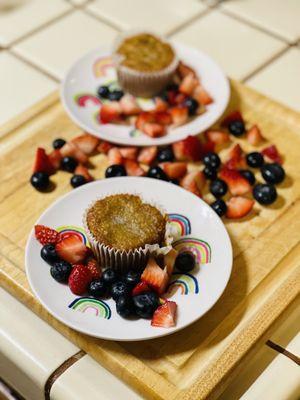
145	63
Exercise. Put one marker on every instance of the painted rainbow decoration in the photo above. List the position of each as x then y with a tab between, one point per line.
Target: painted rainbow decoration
186	283
199	248
101	65
181	224
67	230
85	99
95	307
135	133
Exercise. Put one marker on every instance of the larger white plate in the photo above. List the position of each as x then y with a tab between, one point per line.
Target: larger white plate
196	292
95	69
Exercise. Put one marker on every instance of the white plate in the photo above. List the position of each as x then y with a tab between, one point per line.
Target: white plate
95	69
203	286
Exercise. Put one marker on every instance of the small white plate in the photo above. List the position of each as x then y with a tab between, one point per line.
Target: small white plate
79	88
195	293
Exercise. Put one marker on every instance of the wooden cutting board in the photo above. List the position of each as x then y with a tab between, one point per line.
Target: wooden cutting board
199	361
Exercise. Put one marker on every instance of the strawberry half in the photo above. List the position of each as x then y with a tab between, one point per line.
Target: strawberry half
147	155
129	105
188	84
104	147
140	288
233	116
165	315
110	112
188	149
114	156
193	182
133	168
238	207
237	184
175	170
71	150
184	70
272	154
154	129
86	143
42	162
55	158
254	135
46	235
217	136
163	117
144	118
94	268
72	249
169	260
202	96
155	277
82	170
130	153
79	279
236	158
160	104
179	115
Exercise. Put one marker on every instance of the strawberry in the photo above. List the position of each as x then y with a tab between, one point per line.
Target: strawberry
172	97
129	105
140	288
175	170
217	136
55	158
272	154
82	170
169	260
188	84
163	117
71	249
238	207
179	115
160	104
184	70
236	158
201	95
42	162
147	155
153	129
165	315
155	277
94	268
180	99
133	168
188	149
110	112
254	135
70	149
207	147
46	235
193	182
104	147
114	156
79	279
143	118
237	184
233	116
130	153
86	143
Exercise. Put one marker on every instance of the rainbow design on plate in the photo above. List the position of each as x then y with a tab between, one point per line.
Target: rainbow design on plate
199	248
102	65
181	224
186	283
67	230
95	307
135	133
86	99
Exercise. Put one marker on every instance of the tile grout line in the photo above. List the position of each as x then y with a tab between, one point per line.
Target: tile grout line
283	351
104	20
190	21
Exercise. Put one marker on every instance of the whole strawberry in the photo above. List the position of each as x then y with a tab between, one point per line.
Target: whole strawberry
94	268
79	279
46	235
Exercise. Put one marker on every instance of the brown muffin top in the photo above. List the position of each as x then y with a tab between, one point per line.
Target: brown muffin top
145	53
123	221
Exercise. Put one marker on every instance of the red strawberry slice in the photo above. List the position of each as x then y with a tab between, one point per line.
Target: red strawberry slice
86	143
171	94
175	170
163	117
46	235
233	116
129	153
79	279
143	118
55	158
129	105
217	136
71	150
169	260
237	184
140	288
179	115
72	249
153	129
110	112
42	163
82	170
165	315
160	104
185	70
202	96
94	268
254	135
104	147
155	277
188	149
133	168
147	155
272	154
180	99
207	147
193	182
238	207
236	158
114	156
188	84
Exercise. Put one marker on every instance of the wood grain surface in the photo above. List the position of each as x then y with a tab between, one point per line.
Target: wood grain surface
199	361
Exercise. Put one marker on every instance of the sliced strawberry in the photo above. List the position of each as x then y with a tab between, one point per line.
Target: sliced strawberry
165	315
79	279
217	136
94	268
201	95
82	170
233	116
160	104
114	156
140	288
71	249
254	135
133	168
179	115
104	147
272	154
169	260
154	129
55	158
180	99
147	155
236	158
188	84
110	112
185	70
238	207
130	153
237	184
163	118
42	163
86	143
129	105
172	97
155	277
188	149
46	235
207	147
71	150
143	118
175	170
193	182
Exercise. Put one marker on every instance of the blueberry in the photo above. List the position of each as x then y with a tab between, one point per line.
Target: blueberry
219	206
68	164
192	105
210	173
185	261
103	91
40	180
172	86
115	95
109	276
77	180
212	160
264	193
124	306
157	173
236	128
145	304
58	143
255	159
115	170
247	174
273	173
218	188
132	278
175	181
97	288
118	289
48	254
60	271
165	154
